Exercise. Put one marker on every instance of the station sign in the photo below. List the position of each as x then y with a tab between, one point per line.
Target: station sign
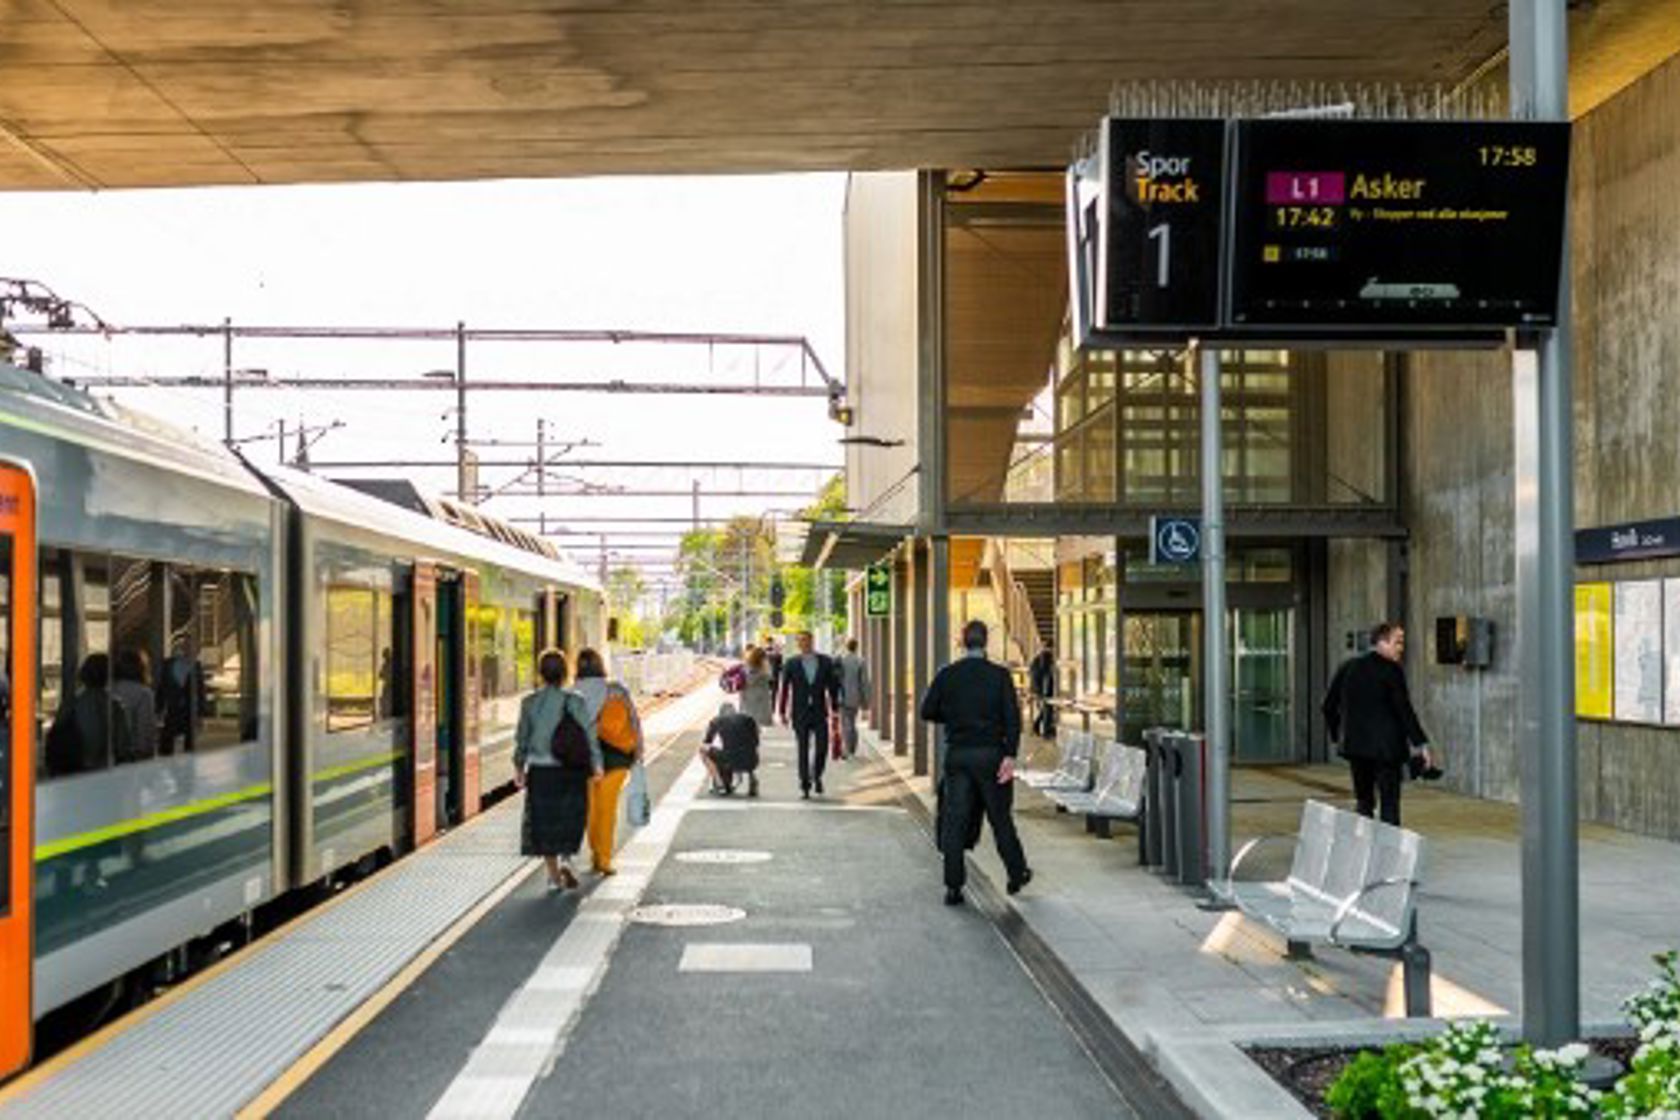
877	591
1175	540
1636	540
1293	229
1159	224
1369	225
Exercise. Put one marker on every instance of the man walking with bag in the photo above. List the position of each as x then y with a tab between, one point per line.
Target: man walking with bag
976	702
1369	712
810	697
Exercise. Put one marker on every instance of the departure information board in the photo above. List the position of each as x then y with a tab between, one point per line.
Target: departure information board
1159	224
1375	225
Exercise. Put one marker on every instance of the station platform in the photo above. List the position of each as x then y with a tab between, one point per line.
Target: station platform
1188	987
753	957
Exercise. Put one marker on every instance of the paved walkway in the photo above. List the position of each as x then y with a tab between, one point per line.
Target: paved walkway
1185	984
843	987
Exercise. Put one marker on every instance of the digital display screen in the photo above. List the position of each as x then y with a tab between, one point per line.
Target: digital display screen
1159	223
1373	224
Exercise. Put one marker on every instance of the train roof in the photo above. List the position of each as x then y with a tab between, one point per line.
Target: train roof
324	498
53	408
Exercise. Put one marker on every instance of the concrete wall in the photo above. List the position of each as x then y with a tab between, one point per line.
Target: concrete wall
1625	214
881	341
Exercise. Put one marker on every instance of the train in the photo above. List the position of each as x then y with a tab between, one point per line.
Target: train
224	686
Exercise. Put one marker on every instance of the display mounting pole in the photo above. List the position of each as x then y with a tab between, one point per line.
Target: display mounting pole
1545	508
1215	658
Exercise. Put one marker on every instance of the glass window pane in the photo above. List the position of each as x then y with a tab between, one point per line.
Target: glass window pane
225	667
80	735
351	671
136	640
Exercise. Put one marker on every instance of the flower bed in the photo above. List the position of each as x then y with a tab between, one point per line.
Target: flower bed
1468	1072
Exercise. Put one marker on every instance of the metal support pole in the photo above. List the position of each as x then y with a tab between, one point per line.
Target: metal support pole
696	525
1215	658
542	476
227	382
280	441
939	625
1545	507
461	482
900	679
920	674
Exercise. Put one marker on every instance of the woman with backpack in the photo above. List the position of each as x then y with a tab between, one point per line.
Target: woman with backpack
555	760
758	692
618	729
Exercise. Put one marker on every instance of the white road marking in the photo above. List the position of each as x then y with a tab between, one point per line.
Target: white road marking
531	1031
716	957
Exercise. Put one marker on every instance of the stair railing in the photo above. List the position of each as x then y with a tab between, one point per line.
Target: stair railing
1018	616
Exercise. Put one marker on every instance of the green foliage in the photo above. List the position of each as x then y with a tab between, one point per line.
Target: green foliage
1369	1086
1652	1085
1465	1072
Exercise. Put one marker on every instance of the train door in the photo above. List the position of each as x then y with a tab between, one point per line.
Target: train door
447	660
17	762
423	753
472	693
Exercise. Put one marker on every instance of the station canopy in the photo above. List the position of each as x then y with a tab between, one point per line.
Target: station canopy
152	93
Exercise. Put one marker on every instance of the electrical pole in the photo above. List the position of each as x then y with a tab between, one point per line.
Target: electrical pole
227	381
280	441
696	526
461	486
542	475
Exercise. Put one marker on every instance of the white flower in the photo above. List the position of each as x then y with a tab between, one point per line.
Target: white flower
1574	1053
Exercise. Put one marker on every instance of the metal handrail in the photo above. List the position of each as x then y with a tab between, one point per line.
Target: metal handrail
1345	909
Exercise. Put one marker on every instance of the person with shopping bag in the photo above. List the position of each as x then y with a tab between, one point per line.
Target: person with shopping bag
613	718
555	760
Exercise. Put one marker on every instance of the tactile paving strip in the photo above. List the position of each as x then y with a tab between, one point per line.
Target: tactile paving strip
218	1046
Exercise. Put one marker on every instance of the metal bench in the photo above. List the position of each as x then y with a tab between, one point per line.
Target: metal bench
1352	884
1119	798
1074	772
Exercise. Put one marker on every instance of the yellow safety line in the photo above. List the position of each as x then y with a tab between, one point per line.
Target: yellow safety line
312	1061
65	844
93	1042
307	1066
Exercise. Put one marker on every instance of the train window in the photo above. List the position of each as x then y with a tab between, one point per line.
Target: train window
80	728
489	649
227	654
137	636
351	670
397	639
524	650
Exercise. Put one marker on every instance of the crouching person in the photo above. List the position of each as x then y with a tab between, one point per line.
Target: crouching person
736	752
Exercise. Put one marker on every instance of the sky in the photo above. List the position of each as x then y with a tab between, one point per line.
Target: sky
756	254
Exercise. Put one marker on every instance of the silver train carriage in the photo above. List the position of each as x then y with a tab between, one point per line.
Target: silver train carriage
233	684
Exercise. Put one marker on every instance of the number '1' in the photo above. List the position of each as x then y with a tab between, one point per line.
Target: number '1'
1163	233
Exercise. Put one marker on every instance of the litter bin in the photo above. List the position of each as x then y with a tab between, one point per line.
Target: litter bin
1151	837
1189	816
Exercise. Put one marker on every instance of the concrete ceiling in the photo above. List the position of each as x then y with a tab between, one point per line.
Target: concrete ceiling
135	93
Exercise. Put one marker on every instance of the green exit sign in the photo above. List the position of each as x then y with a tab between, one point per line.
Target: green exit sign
877	591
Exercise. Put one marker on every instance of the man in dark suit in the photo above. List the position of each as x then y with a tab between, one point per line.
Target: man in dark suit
809	698
1369	712
976	702
1041	679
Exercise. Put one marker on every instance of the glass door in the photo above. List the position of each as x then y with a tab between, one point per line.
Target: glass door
1262	685
1161	673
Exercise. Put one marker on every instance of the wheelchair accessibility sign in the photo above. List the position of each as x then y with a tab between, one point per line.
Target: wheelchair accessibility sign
1175	540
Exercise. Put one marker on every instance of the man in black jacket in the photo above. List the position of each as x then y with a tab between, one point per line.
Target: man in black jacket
1369	712
975	700
1041	679
809	699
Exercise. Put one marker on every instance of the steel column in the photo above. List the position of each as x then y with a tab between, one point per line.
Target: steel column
901	654
939	624
920	673
461	482
1215	658
1545	508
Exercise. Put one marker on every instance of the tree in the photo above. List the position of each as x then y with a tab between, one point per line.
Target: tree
625	591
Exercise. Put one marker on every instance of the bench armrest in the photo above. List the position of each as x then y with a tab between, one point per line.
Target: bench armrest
1243	852
1345	909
